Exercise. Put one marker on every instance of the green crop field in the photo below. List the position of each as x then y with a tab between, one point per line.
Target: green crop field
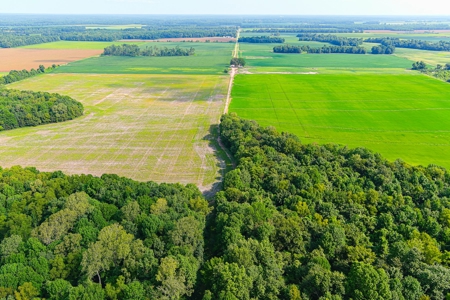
261	55
399	116
209	58
147	127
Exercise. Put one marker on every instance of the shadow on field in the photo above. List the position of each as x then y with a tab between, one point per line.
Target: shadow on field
224	163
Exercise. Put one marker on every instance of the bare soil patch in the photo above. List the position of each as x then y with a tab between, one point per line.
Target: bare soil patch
202	40
19	59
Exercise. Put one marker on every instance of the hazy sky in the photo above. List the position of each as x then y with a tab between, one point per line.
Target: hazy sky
283	7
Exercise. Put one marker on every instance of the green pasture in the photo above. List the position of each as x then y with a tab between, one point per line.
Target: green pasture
399	116
146	127
261	56
209	58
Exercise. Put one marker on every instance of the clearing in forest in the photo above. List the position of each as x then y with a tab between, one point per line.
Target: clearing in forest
399	116
146	127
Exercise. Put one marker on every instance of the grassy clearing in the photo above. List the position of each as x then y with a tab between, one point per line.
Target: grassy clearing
209	58
399	116
146	127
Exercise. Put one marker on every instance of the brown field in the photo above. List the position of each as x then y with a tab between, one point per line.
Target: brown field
212	39
412	31
19	59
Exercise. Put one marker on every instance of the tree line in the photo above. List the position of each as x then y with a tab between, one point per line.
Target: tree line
135	50
413	44
441	72
15	75
319	50
261	39
22	36
330	38
27	108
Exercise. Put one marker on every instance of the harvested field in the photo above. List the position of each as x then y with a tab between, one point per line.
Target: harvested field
202	40
146	127
19	59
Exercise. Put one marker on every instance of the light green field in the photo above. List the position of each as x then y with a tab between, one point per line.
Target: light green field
78	45
209	58
146	127
430	57
399	116
261	56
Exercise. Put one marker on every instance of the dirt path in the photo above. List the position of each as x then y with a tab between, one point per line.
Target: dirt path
227	103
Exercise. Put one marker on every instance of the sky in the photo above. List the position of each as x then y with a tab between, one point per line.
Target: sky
257	7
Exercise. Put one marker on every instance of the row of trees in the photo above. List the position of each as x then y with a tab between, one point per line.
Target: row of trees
135	50
335	49
330	38
413	44
261	39
382	49
15	75
441	72
27	108
325	49
22	36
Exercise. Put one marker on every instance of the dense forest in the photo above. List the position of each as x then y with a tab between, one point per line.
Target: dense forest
261	39
15	75
413	44
330	38
135	50
298	221
84	237
319	50
293	221
27	108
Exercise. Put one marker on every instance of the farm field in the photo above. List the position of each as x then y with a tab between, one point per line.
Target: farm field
430	57
399	116
261	55
209	58
146	127
19	59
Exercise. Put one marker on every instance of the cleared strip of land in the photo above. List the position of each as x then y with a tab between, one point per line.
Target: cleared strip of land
19	58
201	40
399	116
146	127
